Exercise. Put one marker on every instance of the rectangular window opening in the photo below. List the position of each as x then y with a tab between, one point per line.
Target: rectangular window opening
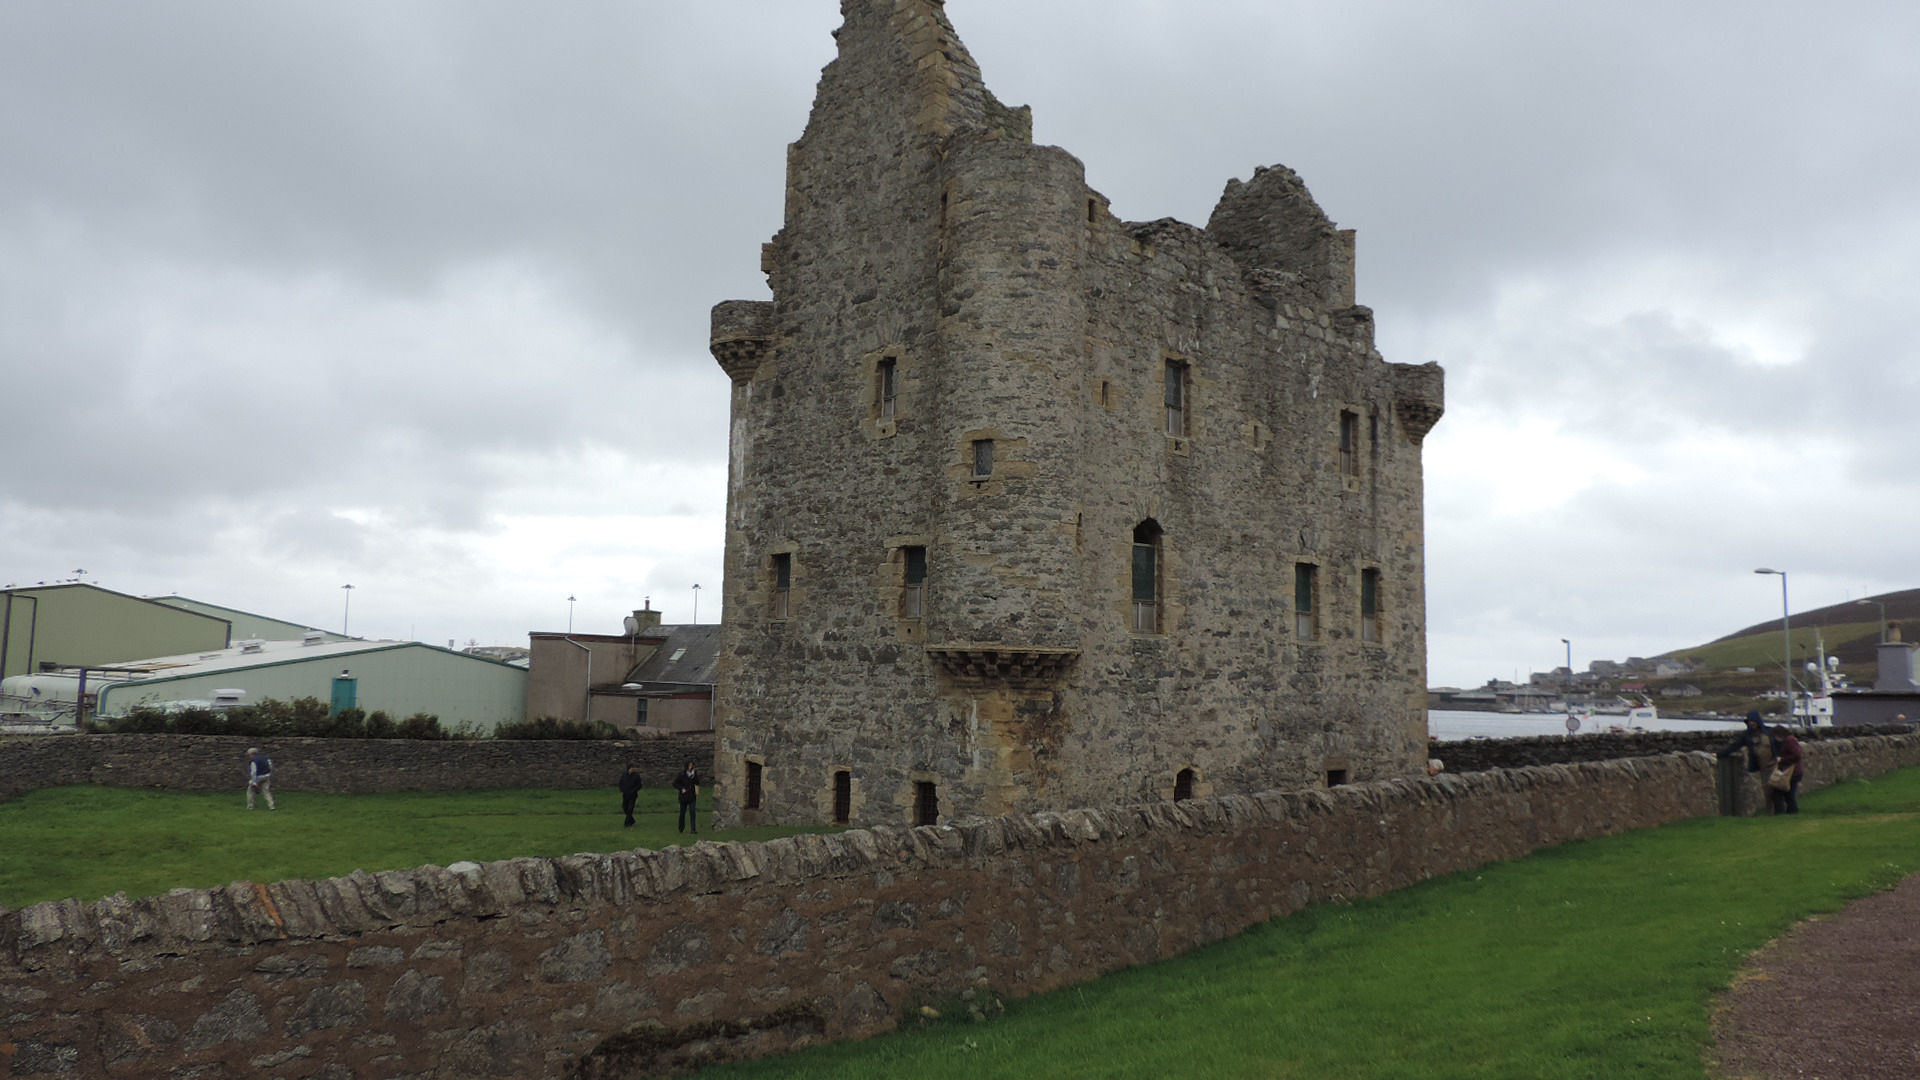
1176	398
640	712
1093	211
926	803
982	458
1349	443
888	390
913	582
753	785
1336	777
842	797
782	567
1306	609
1370	605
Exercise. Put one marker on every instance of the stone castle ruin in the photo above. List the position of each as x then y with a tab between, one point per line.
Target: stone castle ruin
1031	507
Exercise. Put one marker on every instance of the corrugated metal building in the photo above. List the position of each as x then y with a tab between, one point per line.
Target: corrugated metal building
399	677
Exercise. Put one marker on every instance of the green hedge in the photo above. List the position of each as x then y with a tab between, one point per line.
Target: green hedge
306	717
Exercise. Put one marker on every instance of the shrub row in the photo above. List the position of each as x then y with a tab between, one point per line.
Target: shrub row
308	717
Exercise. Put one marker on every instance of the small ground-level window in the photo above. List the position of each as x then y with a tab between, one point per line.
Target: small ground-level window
753	785
1183	785
926	803
1336	777
842	797
640	712
1370	605
782	570
1306	606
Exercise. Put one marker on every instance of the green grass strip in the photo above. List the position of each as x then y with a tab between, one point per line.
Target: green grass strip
1596	959
90	842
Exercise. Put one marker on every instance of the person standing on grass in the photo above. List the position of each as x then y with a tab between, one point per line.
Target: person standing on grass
259	776
1787	754
1752	739
687	783
629	791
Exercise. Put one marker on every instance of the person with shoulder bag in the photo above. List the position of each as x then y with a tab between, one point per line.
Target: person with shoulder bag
1789	768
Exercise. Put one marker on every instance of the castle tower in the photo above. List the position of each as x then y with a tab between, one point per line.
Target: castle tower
1030	507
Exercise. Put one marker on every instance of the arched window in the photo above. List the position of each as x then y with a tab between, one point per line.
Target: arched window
1183	785
1146	577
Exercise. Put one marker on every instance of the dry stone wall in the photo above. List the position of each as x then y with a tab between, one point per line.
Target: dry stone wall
348	766
1478	755
627	963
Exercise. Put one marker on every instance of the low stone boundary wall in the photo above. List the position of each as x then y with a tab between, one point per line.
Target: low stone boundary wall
346	766
1477	755
629	963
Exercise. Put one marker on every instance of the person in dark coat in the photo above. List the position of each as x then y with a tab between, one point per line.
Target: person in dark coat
629	791
1753	739
1787	754
687	783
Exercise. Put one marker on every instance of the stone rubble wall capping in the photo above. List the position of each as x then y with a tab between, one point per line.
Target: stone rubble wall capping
343	766
616	964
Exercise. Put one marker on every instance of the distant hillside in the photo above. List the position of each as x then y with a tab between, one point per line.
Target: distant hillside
1852	628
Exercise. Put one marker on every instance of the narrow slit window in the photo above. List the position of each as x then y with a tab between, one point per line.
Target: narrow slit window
926	803
887	388
842	797
753	785
1370	605
782	585
1146	577
1176	398
913	582
982	458
640	712
1183	785
1349	443
1306	609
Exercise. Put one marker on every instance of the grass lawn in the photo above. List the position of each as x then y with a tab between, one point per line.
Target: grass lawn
90	842
1596	959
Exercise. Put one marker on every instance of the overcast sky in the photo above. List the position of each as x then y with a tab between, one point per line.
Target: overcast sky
414	296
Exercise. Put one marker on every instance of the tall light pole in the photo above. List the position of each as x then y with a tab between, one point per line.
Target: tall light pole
346	609
1883	617
569	614
696	601
1786	640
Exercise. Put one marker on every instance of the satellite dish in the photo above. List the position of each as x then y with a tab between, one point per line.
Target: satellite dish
632	624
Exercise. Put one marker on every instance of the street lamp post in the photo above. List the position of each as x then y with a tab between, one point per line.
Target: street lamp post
1786	639
346	609
1883	617
696	602
569	614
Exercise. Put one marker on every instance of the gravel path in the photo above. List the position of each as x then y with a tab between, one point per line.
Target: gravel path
1836	998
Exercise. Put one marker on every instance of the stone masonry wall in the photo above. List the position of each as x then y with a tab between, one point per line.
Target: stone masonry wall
965	369
348	766
614	965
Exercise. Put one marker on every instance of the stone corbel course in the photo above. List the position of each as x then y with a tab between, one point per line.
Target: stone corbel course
626	963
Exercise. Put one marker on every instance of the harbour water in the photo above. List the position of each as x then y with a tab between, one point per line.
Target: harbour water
1449	725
